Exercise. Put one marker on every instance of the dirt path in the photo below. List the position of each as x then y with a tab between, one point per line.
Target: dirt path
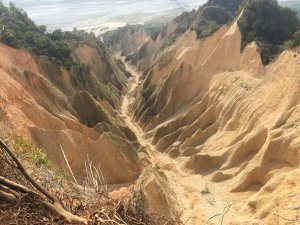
198	198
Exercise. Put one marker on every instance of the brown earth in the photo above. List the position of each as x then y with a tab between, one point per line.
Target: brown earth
43	102
207	131
223	129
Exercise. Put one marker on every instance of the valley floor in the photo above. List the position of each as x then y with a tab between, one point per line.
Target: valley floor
199	201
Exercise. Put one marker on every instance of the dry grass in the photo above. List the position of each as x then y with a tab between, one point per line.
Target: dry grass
94	178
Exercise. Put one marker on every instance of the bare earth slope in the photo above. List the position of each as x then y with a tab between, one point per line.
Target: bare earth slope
57	108
207	131
230	126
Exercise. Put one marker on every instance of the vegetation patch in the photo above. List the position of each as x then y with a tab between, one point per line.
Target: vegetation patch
294	42
206	20
19	31
80	71
25	149
270	26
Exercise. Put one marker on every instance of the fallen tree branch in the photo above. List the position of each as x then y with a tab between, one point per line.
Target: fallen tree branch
7	197
10	191
7	162
26	175
53	205
17	187
69	217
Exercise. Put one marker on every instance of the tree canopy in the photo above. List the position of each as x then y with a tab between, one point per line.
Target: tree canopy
19	31
269	25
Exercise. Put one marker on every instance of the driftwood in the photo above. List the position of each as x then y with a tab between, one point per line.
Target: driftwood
9	191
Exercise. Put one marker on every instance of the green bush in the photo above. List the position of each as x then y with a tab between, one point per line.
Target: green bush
79	73
269	25
296	38
206	20
292	43
27	150
231	5
19	31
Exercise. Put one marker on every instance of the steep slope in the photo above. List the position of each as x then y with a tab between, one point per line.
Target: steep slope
214	128
59	108
228	122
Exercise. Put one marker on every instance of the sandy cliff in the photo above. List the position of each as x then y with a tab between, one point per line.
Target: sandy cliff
205	130
229	123
42	101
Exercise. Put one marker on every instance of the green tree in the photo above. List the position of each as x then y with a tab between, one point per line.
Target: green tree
296	37
57	35
269	25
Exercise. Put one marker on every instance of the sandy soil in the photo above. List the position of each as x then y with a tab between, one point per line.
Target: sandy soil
199	200
103	27
230	122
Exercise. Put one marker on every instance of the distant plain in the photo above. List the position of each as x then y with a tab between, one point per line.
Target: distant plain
84	14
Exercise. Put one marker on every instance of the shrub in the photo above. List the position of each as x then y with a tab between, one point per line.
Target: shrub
269	25
19	31
296	39
27	150
206	20
216	13
231	5
292	43
79	71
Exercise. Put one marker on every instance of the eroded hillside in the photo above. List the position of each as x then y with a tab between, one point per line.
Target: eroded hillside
229	123
57	108
193	121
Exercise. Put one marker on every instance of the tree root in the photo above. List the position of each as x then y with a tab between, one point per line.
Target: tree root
69	217
7	197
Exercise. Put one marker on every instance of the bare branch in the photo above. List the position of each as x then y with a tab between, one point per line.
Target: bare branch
17	187
94	177
25	174
63	152
7	197
54	206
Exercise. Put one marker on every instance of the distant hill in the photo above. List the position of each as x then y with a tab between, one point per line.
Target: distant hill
274	31
204	21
